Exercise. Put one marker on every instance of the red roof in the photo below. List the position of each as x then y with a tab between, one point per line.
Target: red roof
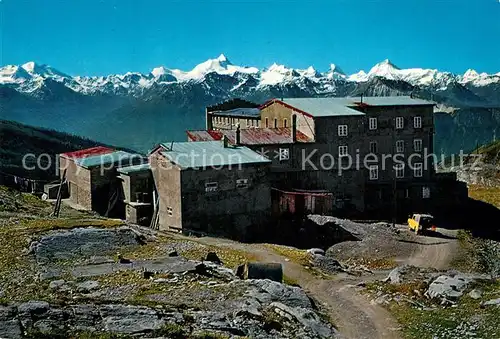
251	136
88	152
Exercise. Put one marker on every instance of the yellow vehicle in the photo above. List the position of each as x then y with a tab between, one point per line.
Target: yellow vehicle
421	223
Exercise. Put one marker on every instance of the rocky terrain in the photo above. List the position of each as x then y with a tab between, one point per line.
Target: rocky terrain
81	276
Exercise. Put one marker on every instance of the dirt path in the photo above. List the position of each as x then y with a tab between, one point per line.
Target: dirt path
352	313
435	252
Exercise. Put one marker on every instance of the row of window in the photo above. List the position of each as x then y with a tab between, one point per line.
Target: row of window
231	121
400	146
213	186
399	123
285	122
341	129
399	169
373	125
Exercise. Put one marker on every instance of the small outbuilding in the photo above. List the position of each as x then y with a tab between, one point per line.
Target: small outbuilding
91	175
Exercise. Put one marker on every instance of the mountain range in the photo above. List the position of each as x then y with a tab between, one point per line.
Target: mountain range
137	110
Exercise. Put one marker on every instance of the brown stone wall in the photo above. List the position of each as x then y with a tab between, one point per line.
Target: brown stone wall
167	179
230	210
79	182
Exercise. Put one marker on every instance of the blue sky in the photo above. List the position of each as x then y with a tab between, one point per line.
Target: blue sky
91	37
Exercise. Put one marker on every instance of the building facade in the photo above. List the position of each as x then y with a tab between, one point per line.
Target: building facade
211	187
373	154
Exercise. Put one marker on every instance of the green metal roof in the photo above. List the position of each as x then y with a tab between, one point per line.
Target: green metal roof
120	157
321	107
202	154
325	107
134	169
388	101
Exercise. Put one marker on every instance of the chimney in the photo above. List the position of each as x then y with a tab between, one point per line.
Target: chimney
294	128
224	141
238	135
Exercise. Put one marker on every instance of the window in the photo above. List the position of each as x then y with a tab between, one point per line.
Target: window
426	192
400	170
211	186
400	146
417	122
399	122
285	123
372	123
417	170
373	147
242	183
248	122
275	123
417	145
373	172
170	211
267	122
343	151
284	154
342	130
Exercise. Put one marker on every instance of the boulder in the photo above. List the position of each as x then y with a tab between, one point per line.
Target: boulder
475	294
493	302
129	319
213	257
315	251
59	285
34	307
395	276
87	286
267	291
305	317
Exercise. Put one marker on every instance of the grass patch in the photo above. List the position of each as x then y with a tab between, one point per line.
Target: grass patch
230	257
443	322
490	195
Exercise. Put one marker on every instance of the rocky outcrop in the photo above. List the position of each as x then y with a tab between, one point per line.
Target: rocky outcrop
261	302
448	287
82	242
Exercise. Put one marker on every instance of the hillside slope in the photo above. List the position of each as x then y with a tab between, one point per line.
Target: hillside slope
18	140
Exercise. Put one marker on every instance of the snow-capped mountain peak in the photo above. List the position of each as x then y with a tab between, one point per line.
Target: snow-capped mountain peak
31	76
479	79
222	58
29	66
13	73
384	69
335	73
361	76
159	71
44	71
